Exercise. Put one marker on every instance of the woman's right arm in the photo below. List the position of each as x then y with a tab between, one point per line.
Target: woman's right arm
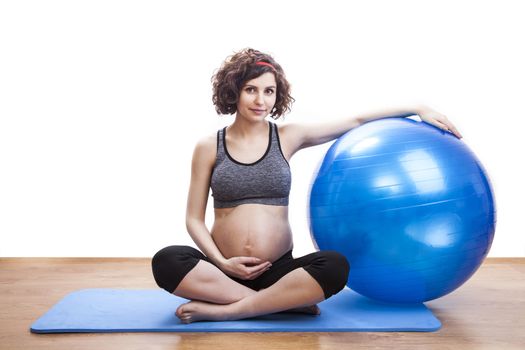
201	169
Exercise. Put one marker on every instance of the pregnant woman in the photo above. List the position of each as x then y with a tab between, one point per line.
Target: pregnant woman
245	267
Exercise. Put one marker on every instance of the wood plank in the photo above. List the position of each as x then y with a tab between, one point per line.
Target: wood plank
487	312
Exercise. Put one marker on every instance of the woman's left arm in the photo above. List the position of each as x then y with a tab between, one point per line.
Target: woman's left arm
300	136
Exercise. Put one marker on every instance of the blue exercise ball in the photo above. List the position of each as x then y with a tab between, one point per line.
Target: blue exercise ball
409	205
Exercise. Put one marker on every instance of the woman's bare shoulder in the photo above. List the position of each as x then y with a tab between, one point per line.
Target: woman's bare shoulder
206	147
289	136
208	141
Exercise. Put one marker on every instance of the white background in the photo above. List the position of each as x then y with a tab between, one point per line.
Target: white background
101	103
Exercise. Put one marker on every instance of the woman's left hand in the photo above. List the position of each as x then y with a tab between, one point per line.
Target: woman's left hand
437	119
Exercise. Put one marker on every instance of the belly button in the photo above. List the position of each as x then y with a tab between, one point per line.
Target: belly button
248	249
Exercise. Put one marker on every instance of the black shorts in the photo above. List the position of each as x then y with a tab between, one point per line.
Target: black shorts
329	268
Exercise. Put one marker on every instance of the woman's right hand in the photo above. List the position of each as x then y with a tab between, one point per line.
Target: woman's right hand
245	267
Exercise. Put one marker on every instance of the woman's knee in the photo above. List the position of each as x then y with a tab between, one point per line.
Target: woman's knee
331	270
171	264
338	263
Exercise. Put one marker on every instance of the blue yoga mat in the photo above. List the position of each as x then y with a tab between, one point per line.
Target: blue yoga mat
121	310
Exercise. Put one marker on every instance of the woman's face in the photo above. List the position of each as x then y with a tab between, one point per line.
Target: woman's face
257	97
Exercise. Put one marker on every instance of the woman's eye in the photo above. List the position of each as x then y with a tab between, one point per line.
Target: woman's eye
269	91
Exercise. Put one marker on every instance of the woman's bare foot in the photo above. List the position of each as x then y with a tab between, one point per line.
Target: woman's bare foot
194	311
201	311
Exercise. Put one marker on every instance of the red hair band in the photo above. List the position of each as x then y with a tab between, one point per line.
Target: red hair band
261	63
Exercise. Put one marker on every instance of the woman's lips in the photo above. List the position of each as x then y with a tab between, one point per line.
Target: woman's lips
258	111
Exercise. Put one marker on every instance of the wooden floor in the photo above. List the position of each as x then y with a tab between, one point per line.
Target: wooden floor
488	312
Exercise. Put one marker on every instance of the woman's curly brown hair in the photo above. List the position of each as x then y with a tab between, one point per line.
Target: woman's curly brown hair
239	68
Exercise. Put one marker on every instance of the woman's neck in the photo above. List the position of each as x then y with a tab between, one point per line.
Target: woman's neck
243	129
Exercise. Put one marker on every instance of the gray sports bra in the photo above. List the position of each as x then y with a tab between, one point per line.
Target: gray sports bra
266	181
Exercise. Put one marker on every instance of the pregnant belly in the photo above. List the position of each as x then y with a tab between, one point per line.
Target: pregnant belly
255	230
